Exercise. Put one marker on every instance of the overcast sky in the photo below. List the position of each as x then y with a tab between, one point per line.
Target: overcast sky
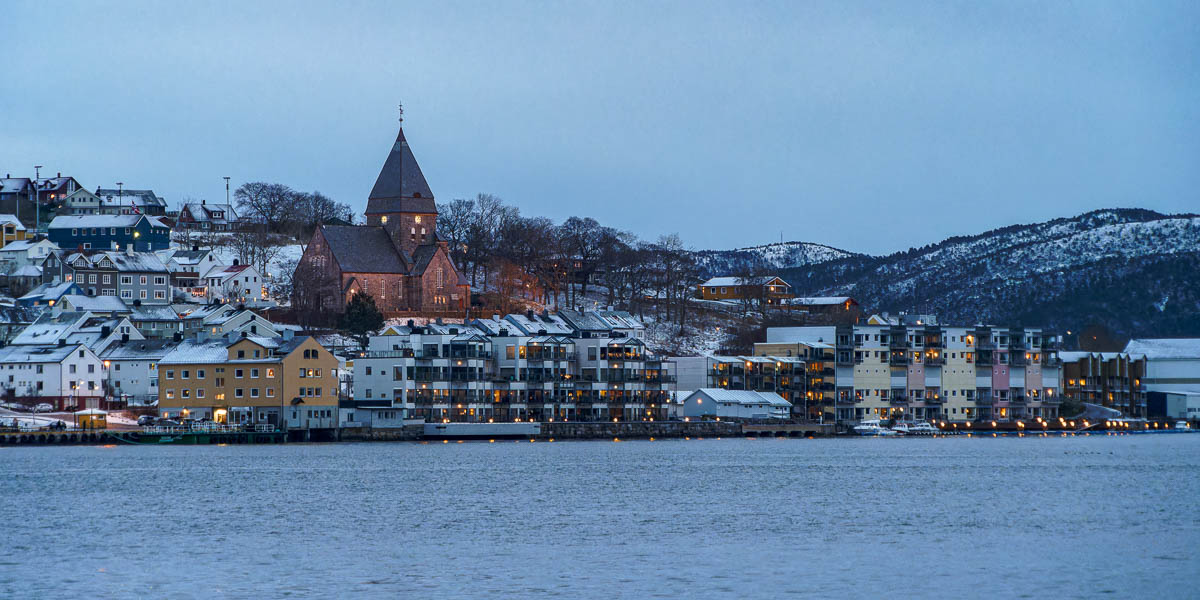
870	127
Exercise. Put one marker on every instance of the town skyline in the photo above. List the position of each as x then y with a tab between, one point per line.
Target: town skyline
642	118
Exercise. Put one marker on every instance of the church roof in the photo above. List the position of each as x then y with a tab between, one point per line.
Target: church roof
363	249
401	187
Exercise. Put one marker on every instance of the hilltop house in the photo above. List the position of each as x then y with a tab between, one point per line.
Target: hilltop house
200	216
127	275
769	289
130	202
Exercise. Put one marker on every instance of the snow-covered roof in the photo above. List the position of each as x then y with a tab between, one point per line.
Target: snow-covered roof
81	221
48	329
1165	348
620	319
736	281
153	349
11	220
96	304
741	397
820	300
118	198
25	245
225	272
50	292
190	352
36	353
534	324
27	271
153	313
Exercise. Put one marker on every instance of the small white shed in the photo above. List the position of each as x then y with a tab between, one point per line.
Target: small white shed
739	404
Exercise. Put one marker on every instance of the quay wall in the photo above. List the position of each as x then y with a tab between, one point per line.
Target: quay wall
639	429
408	433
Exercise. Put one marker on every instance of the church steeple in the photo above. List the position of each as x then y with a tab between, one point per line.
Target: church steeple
401	186
401	201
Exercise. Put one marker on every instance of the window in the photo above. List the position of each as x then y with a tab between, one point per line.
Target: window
241	354
128	294
91	278
185	393
199	373
184	374
254	373
303	372
170	374
142	279
270	372
170	394
368	370
143	292
237	393
160	295
107	278
70	369
127	280
237	373
253	392
199	392
270	392
160	280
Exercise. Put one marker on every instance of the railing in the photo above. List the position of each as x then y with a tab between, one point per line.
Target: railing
898	360
1017	359
934	361
983	400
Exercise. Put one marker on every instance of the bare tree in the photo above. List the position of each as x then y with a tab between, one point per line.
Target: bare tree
265	204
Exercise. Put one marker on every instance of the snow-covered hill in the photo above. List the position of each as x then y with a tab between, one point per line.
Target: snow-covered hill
1112	267
784	255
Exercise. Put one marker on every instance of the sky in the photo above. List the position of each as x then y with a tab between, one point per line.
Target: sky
867	126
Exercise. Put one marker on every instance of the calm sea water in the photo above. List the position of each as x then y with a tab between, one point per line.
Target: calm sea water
1077	517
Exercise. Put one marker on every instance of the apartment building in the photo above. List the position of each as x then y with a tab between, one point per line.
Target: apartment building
527	367
286	382
931	372
1111	379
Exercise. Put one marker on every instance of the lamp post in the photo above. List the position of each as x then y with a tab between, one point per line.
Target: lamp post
37	204
226	189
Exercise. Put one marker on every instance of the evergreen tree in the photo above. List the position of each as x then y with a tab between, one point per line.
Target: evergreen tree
361	319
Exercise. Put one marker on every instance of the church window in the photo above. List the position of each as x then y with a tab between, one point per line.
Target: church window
422	231
418	217
441	277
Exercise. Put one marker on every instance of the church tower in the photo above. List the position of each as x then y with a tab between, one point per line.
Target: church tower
401	201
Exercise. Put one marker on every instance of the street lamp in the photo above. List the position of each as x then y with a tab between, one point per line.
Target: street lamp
37	204
226	189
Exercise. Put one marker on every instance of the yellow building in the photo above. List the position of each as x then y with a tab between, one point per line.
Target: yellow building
291	383
11	230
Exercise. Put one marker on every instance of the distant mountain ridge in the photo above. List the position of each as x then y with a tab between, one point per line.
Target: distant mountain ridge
1134	271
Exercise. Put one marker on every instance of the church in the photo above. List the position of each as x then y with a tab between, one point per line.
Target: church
396	257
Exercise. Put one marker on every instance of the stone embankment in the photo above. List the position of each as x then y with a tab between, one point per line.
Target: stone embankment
639	430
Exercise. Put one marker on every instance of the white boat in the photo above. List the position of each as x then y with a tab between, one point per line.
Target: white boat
919	428
874	428
1182	426
481	431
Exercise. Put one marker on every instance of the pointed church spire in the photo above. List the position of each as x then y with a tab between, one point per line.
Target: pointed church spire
401	186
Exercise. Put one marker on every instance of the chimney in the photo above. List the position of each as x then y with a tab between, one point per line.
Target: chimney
60	174
129	249
288	334
541	332
453	331
545	313
178	337
105	331
62	343
235	262
438	321
503	332
195	248
529	315
410	323
137	301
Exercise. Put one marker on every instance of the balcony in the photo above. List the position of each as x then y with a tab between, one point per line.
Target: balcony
982	400
1051	361
934	361
1017	359
934	400
1018	399
895	400
898	359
